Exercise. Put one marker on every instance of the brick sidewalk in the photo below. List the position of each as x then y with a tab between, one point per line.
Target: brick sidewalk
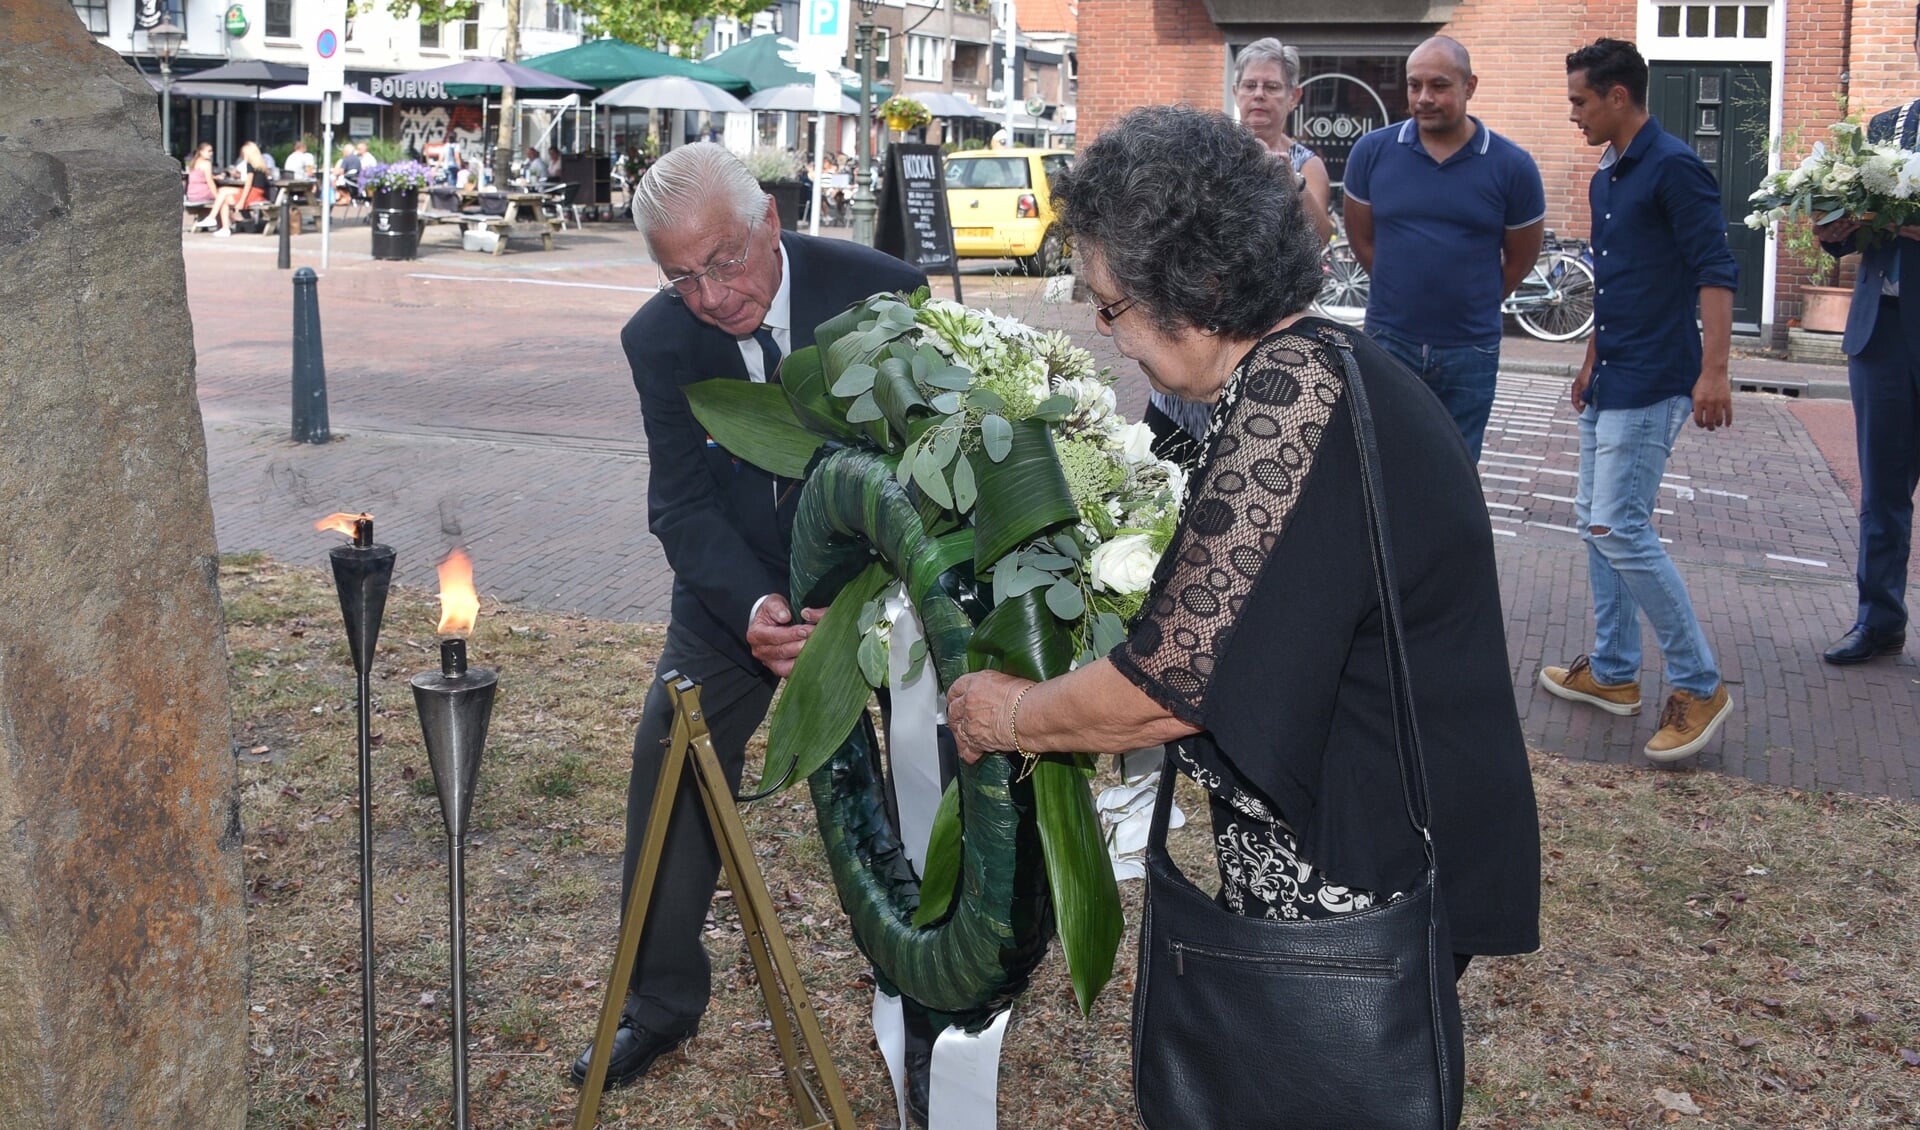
485	402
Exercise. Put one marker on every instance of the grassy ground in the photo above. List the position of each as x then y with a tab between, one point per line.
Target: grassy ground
1716	951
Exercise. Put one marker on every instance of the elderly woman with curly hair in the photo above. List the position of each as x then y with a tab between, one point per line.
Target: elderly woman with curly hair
1259	654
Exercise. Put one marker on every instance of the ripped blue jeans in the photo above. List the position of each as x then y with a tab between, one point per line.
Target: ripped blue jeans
1623	452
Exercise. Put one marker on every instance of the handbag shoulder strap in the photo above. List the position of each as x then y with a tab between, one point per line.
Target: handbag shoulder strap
1407	749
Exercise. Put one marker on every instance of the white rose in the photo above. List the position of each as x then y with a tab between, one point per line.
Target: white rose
1124	565
1136	443
1757	221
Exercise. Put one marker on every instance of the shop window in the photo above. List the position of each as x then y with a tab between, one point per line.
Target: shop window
279	21
93	13
1711	21
429	35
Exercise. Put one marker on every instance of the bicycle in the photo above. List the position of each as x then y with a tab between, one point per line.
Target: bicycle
1345	286
1554	302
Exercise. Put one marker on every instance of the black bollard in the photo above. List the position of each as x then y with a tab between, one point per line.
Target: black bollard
286	229
309	361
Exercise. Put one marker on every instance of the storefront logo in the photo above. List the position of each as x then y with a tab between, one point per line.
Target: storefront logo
408	89
237	24
1338	127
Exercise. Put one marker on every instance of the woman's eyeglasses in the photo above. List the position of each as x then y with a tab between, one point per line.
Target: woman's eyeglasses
1250	87
722	273
1114	309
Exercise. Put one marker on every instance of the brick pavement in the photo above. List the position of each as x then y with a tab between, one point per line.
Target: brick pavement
484	402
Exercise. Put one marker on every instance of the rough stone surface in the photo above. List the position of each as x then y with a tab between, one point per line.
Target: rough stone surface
122	922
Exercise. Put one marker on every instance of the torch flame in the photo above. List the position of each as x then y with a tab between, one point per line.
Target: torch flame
459	604
339	523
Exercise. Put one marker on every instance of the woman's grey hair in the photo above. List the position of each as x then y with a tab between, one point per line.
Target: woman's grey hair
1271	50
1194	220
681	181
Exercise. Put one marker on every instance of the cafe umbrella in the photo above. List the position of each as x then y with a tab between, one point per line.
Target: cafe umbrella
302	93
795	97
671	93
488	77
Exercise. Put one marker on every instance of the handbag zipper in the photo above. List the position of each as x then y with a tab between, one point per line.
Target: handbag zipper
1352	967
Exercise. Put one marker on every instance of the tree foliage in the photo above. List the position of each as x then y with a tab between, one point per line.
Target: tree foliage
676	23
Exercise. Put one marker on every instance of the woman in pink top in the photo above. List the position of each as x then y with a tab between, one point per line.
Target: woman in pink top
200	189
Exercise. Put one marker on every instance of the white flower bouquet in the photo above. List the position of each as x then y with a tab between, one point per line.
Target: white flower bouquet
1845	177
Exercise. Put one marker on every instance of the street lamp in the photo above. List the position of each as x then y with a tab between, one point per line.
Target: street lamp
164	40
863	205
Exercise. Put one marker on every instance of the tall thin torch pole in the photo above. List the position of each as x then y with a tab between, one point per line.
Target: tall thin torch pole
457	923
365	676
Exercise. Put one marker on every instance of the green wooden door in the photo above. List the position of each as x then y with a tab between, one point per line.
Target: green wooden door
1721	109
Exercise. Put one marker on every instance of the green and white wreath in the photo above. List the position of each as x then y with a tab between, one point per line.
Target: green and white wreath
980	464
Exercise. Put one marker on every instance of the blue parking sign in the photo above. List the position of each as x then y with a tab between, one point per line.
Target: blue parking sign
823	17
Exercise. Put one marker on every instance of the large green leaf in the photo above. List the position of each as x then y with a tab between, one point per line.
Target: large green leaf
804	380
1018	496
826	693
755	422
943	859
1086	901
1021	637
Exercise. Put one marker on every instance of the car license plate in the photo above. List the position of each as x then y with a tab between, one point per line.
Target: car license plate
973	233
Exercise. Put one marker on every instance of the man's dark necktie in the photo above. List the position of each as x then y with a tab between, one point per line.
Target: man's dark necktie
769	353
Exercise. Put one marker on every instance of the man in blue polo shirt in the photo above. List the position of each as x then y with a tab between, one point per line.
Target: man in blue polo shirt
1446	216
1659	248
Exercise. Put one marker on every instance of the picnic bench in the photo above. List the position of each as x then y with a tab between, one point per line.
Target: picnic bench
504	220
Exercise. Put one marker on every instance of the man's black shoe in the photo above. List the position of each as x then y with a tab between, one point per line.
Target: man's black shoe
1864	643
920	1037
634	1051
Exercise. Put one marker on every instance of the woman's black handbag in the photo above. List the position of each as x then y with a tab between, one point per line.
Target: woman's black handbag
1342	1023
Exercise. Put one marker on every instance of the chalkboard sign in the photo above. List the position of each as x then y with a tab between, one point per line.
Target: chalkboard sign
913	222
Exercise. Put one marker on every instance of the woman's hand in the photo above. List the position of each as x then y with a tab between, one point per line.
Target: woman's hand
980	713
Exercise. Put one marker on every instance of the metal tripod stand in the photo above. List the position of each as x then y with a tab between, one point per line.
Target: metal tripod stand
772	957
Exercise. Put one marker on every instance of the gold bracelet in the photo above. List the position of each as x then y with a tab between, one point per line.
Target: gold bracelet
1027	759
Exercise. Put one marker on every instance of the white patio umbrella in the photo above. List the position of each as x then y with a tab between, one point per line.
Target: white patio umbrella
795	97
943	105
301	92
671	92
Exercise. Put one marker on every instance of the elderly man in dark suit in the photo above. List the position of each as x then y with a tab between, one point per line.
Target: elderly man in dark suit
737	294
1883	372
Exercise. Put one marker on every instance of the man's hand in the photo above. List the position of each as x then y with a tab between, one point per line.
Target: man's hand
1713	401
1838	231
775	640
1577	396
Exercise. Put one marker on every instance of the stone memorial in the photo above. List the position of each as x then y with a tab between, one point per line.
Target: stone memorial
122	917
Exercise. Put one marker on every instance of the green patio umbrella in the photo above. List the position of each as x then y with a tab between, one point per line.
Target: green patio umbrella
767	61
606	63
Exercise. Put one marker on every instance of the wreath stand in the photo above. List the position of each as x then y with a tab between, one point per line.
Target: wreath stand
772	957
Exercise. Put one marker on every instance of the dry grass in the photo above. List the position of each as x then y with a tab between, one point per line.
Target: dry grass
1749	947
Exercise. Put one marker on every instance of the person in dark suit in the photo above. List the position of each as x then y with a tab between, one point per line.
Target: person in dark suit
737	294
1883	373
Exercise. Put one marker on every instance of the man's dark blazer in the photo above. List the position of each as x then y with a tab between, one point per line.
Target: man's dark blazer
1876	261
724	523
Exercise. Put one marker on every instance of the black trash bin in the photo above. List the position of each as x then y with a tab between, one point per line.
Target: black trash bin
396	224
789	200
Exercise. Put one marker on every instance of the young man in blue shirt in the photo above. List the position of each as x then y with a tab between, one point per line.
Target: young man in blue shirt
1659	239
1446	216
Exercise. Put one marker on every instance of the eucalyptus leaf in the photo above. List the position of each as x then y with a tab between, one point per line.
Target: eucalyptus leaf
1108	632
1069	546
965	491
1041	559
945	403
985	399
826	692
755	422
1054	408
854	380
943	860
1065	601
933	481
955	379
946	445
863	409
996	435
873	660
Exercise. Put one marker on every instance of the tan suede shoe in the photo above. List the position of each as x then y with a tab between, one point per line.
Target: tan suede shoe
1688	723
1576	683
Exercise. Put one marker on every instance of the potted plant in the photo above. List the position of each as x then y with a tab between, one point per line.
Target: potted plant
778	172
903	113
395	191
1823	305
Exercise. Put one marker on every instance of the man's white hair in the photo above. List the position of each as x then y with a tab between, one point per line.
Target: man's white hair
678	186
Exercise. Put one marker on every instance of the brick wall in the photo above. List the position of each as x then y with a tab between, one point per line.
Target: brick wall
1143	53
1809	103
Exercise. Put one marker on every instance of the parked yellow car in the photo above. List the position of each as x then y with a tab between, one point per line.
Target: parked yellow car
1001	205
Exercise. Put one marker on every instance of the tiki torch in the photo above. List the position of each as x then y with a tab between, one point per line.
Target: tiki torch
361	573
454	704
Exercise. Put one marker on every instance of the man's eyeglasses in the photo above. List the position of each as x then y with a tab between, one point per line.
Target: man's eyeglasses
722	273
1114	309
1250	87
